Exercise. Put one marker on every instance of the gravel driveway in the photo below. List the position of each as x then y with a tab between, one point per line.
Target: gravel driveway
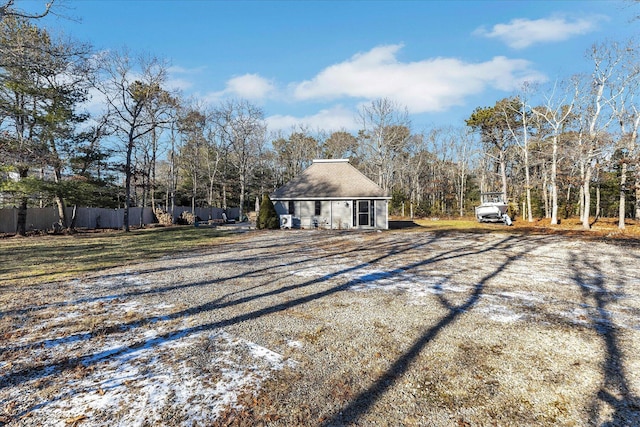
331	328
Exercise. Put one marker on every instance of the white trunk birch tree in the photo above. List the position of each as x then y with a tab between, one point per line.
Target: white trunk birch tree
626	111
596	116
556	112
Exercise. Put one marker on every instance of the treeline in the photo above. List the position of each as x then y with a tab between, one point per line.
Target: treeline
570	148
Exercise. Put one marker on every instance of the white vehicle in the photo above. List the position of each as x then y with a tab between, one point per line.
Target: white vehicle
493	208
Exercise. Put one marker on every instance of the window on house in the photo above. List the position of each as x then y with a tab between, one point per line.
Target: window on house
318	208
292	207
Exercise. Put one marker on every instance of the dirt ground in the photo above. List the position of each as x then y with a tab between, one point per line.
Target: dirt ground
330	328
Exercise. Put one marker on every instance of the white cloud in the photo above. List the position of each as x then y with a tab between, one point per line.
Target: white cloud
428	85
522	33
177	69
334	118
249	86
252	87
176	83
181	78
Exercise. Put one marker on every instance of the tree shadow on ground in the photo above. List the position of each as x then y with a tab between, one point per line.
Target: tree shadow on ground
614	390
45	369
345	280
362	403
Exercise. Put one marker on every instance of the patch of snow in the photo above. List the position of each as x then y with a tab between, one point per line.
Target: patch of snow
500	313
134	375
526	298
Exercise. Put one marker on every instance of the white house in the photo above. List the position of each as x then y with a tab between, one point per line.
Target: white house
332	194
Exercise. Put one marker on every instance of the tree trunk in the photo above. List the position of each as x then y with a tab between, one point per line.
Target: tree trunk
127	184
586	197
598	207
61	210
173	171
527	177
224	196
72	225
152	167
461	193
622	203
21	226
545	190
242	189
554	182
59	200
637	216
503	175
193	197
145	192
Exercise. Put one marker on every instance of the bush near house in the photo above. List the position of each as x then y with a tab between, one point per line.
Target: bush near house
267	217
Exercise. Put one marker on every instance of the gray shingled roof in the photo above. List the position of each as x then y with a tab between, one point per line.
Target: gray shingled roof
329	179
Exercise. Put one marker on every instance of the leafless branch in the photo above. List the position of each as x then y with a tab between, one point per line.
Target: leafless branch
8	10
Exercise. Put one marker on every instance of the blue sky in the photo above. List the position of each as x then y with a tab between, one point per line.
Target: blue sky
314	63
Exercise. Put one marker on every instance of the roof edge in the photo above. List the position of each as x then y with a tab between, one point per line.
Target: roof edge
330	160
311	199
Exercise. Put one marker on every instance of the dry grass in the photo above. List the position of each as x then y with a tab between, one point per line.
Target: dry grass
46	258
601	228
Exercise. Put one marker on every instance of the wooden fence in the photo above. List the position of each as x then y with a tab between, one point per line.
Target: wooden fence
92	218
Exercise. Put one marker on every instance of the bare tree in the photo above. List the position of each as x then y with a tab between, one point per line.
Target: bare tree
519	110
129	87
595	116
627	114
212	158
167	166
241	127
556	111
462	159
384	135
416	157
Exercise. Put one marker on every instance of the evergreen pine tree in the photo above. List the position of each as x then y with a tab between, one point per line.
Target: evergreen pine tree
268	217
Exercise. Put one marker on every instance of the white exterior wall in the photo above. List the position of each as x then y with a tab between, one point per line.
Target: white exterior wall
381	212
334	214
341	214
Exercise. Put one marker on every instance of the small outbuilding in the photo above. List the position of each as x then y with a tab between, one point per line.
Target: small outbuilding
332	194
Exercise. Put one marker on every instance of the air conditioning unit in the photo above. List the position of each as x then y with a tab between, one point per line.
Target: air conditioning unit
286	221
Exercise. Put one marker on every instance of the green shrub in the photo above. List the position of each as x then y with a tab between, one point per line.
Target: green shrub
268	217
